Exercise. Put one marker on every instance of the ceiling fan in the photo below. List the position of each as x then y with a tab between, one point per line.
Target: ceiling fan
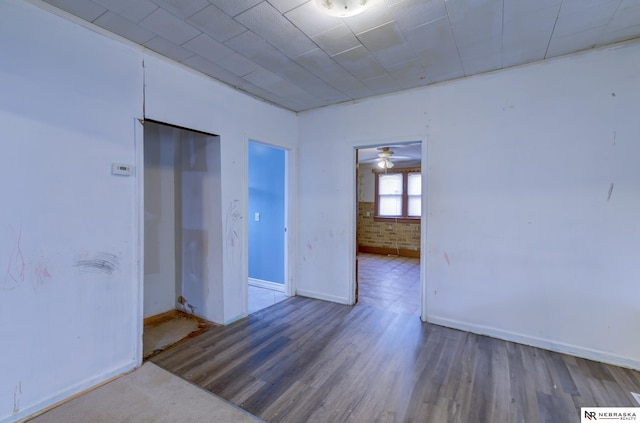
384	155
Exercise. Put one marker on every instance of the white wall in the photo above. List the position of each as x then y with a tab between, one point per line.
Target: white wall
70	303
525	239
160	147
178	96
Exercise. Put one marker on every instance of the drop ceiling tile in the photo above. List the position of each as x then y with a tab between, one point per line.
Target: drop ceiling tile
573	19
238	64
409	73
435	47
476	21
480	62
280	32
169	49
375	15
210	68
520	54
477	29
624	25
182	8
123	27
573	42
207	47
308	18
271	82
527	35
302	78
284	6
170	27
535	26
135	11
257	50
86	10
520	9
323	66
397	56
337	40
216	23
361	63
382	37
383	84
412	13
570	7
234	7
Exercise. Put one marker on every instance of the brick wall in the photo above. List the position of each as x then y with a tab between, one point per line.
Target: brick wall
386	235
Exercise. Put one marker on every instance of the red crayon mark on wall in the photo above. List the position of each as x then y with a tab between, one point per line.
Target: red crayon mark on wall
42	272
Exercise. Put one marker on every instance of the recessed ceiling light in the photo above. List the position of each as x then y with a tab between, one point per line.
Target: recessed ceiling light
342	8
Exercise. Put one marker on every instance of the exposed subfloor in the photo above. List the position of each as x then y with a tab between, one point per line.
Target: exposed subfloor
166	329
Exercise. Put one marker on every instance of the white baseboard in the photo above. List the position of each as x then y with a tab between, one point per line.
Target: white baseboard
322	296
266	284
547	344
62	396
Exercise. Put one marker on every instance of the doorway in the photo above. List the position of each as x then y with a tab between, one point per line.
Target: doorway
389	209
267	226
182	233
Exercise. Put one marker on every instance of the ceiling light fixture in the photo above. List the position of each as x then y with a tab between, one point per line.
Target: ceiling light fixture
385	164
385	158
342	8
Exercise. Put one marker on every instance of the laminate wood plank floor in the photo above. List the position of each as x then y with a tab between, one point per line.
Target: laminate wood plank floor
389	282
305	360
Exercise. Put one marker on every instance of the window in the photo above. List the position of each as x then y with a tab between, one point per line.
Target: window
399	195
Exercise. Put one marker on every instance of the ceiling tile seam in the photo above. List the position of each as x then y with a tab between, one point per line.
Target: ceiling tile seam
410	47
101	15
555	23
283	76
293	58
608	22
145	17
453	34
179	17
246	10
284	11
331	56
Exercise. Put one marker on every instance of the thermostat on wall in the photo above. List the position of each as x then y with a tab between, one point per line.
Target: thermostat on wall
121	169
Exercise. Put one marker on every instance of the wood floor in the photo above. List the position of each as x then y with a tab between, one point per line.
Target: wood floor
389	282
305	360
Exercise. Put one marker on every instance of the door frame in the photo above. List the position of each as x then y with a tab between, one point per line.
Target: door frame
424	166
289	289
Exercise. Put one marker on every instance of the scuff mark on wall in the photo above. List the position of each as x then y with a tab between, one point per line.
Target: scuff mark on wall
17	265
610	191
101	263
446	257
232	230
17	395
614	138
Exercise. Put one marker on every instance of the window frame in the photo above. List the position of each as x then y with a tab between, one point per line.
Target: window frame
404	218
